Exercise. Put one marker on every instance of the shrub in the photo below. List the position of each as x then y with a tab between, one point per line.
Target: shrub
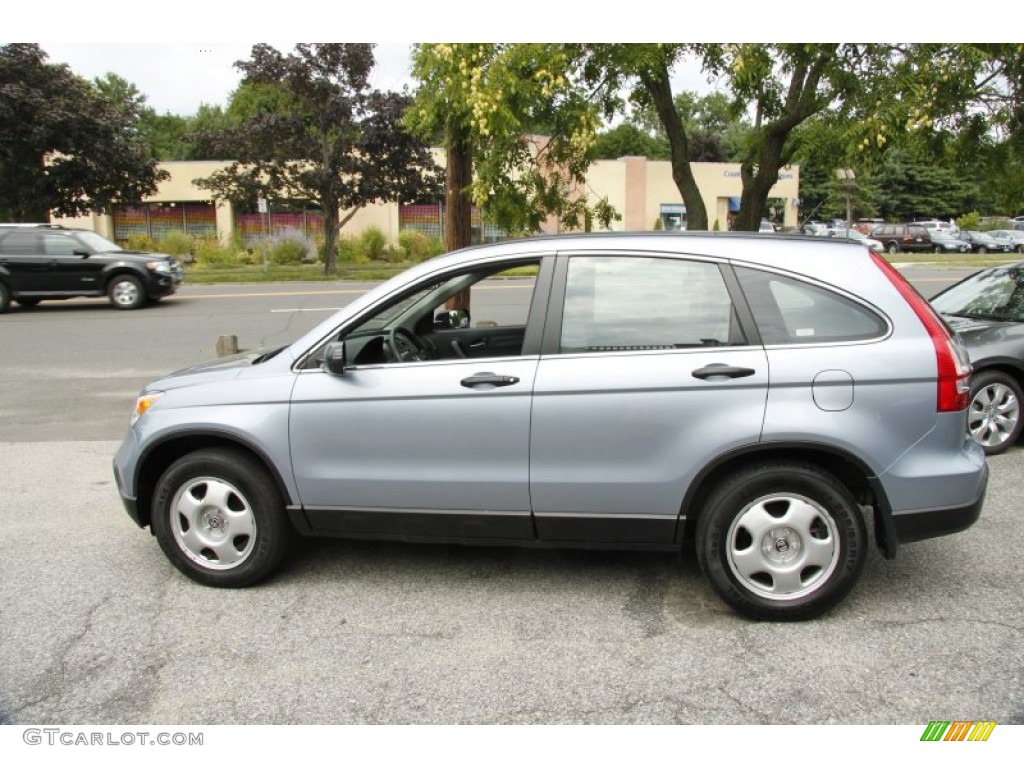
970	221
141	243
288	251
210	253
373	243
175	243
418	246
350	250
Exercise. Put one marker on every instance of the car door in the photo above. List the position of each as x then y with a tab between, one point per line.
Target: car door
648	373
27	267
73	271
434	448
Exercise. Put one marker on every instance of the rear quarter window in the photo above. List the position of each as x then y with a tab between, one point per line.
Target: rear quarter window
789	311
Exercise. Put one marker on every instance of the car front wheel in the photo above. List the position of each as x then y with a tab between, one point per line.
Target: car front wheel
220	519
781	541
126	292
892	248
993	419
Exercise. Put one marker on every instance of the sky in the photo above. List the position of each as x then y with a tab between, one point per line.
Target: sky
150	45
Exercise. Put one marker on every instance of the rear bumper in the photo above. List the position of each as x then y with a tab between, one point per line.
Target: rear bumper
929	523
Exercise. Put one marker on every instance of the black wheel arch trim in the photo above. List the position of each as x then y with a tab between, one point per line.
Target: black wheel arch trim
145	480
1008	365
700	486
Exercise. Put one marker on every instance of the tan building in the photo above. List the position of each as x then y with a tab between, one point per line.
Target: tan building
641	190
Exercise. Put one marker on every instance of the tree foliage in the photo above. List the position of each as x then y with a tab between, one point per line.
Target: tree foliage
307	126
65	147
487	102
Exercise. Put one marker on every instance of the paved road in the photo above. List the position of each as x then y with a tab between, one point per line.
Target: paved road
97	627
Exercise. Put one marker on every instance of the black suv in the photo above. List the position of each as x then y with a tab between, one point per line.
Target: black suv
46	261
903	237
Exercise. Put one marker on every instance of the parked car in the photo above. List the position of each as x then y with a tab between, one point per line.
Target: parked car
987	310
944	242
852	234
766	226
981	242
750	395
41	262
903	237
1009	237
937	225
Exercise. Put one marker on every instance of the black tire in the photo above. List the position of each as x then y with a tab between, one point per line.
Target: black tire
982	249
937	249
219	518
28	303
819	525
892	248
5	298
994	415
126	292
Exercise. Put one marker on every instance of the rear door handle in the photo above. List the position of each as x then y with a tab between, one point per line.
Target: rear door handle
719	369
489	378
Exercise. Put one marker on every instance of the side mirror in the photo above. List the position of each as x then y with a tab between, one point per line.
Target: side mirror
451	319
334	358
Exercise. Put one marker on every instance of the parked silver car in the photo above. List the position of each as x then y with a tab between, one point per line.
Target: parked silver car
751	397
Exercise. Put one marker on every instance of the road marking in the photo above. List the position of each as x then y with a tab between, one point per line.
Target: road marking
308	309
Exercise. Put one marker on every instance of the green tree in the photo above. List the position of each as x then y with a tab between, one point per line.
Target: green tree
485	103
310	128
910	187
642	71
64	147
628	140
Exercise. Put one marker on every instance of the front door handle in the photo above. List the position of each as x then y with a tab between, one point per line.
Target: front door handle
719	369
489	378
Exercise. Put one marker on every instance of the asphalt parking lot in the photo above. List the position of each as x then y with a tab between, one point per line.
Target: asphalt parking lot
97	627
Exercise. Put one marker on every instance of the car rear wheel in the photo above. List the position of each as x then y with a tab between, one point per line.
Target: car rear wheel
993	419
219	518
126	292
781	541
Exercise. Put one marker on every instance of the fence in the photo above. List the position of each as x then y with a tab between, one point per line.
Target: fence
429	219
156	220
253	227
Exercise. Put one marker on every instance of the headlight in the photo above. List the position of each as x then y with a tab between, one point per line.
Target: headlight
142	404
159	266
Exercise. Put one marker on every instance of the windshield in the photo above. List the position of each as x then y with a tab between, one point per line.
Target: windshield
995	294
98	243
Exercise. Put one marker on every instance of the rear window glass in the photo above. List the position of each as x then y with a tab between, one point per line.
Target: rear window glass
789	311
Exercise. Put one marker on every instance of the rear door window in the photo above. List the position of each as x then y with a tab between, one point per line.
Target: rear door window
615	304
789	311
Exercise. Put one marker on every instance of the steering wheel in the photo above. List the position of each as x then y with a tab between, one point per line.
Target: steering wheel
406	347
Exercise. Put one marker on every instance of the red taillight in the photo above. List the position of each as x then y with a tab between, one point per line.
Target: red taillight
954	384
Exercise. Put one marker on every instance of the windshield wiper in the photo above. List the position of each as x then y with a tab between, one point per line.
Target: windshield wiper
267	355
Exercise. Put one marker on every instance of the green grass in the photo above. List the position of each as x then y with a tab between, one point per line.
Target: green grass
290	273
969	260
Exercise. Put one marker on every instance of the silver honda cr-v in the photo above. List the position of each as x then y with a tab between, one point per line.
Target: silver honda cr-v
756	397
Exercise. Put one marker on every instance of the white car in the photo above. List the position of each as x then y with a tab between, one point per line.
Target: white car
1012	237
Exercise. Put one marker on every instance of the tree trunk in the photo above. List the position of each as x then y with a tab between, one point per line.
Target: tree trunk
330	237
458	209
757	184
660	89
